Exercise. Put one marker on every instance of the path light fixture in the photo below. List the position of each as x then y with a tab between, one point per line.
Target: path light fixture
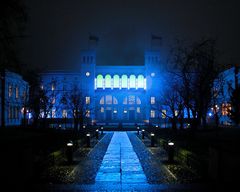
152	139
143	133
138	130
88	136
69	152
97	131
170	151
101	130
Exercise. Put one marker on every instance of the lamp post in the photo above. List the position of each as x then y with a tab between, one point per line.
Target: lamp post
143	133
101	130
138	130
70	152
152	139
88	139
97	131
170	151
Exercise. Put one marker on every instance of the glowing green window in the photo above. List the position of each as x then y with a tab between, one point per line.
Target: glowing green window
107	81
124	81
132	83
99	81
140	81
116	81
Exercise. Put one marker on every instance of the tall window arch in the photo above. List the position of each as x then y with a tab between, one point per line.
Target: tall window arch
116	81
140	81
108	81
99	81
132	81
124	81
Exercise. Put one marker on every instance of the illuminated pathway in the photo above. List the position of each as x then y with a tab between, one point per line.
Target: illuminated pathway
120	163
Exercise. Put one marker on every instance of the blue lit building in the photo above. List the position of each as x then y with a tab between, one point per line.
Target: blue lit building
16	96
112	94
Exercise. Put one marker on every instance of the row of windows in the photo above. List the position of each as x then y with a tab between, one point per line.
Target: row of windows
13	112
129	100
14	91
102	109
117	82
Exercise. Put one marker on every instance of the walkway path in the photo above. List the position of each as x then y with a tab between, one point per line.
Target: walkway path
120	163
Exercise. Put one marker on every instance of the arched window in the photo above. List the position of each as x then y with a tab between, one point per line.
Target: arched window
108	99
115	81
138	101
124	81
99	81
107	81
132	81
102	101
140	81
115	101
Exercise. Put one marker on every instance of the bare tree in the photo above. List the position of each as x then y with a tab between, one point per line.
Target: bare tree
197	68
80	106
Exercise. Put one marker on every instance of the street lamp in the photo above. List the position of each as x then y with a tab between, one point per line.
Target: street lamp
101	130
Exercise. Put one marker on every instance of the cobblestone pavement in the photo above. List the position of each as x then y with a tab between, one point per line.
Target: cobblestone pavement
120	163
154	170
92	167
85	172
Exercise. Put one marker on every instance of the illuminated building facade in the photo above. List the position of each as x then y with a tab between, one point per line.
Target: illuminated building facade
112	94
16	95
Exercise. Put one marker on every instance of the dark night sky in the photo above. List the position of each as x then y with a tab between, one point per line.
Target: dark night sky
59	29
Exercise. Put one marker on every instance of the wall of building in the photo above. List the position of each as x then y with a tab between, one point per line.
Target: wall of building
16	96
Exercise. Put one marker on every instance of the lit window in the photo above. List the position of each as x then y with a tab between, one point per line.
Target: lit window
53	113
17	93
108	81
138	110
125	101
115	100
226	108
10	90
131	99
132	81
87	100
87	113
99	81
164	112
102	101
102	109
140	81
87	74
108	99
124	81
53	100
175	113
152	114
116	81
53	86
64	113
152	100
115	111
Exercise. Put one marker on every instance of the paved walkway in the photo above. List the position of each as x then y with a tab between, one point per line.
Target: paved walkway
120	163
